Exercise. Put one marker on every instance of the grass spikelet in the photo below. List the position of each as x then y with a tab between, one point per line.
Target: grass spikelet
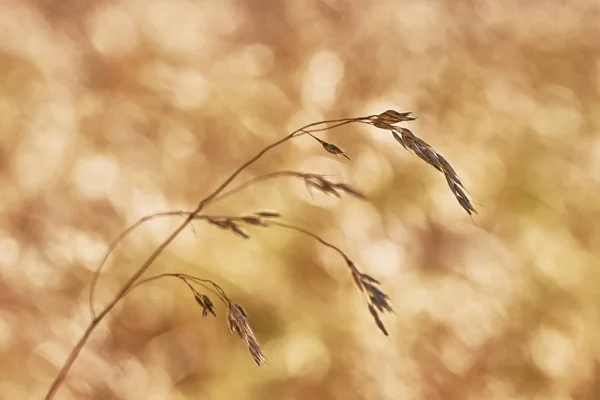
329	147
238	322
425	152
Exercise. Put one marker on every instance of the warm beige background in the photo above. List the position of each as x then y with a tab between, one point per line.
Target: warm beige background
110	110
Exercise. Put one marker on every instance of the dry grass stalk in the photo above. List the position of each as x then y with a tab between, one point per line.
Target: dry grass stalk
377	300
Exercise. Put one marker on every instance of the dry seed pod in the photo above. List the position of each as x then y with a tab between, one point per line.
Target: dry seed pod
220	223
382	125
199	300
239	307
251	220
393	117
209	306
369	278
257	353
234	327
378	320
206	304
399	138
350	190
357	281
333	149
235	228
378	298
268	214
322	186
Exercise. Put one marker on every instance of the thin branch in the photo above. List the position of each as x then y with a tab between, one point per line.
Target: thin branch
309	233
377	300
116	242
341	122
217	290
348	260
224	185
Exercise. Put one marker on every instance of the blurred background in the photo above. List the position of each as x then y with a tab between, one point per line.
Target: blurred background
111	110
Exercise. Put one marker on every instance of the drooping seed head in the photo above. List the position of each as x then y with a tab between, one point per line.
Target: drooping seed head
393	117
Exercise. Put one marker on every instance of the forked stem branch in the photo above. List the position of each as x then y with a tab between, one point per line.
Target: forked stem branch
150	260
377	301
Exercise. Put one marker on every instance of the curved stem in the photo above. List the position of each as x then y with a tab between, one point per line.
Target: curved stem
314	137
340	122
314	236
144	267
253	181
79	345
184	277
115	243
353	268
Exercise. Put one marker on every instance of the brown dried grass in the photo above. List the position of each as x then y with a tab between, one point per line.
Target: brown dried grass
377	300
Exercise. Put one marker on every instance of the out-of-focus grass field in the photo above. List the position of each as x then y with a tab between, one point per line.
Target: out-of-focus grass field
110	110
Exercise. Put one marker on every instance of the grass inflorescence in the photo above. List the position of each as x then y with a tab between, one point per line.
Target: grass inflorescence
204	291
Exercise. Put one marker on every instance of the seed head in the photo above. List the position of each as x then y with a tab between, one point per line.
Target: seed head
333	149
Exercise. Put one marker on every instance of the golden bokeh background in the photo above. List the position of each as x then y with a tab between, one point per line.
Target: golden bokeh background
111	110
